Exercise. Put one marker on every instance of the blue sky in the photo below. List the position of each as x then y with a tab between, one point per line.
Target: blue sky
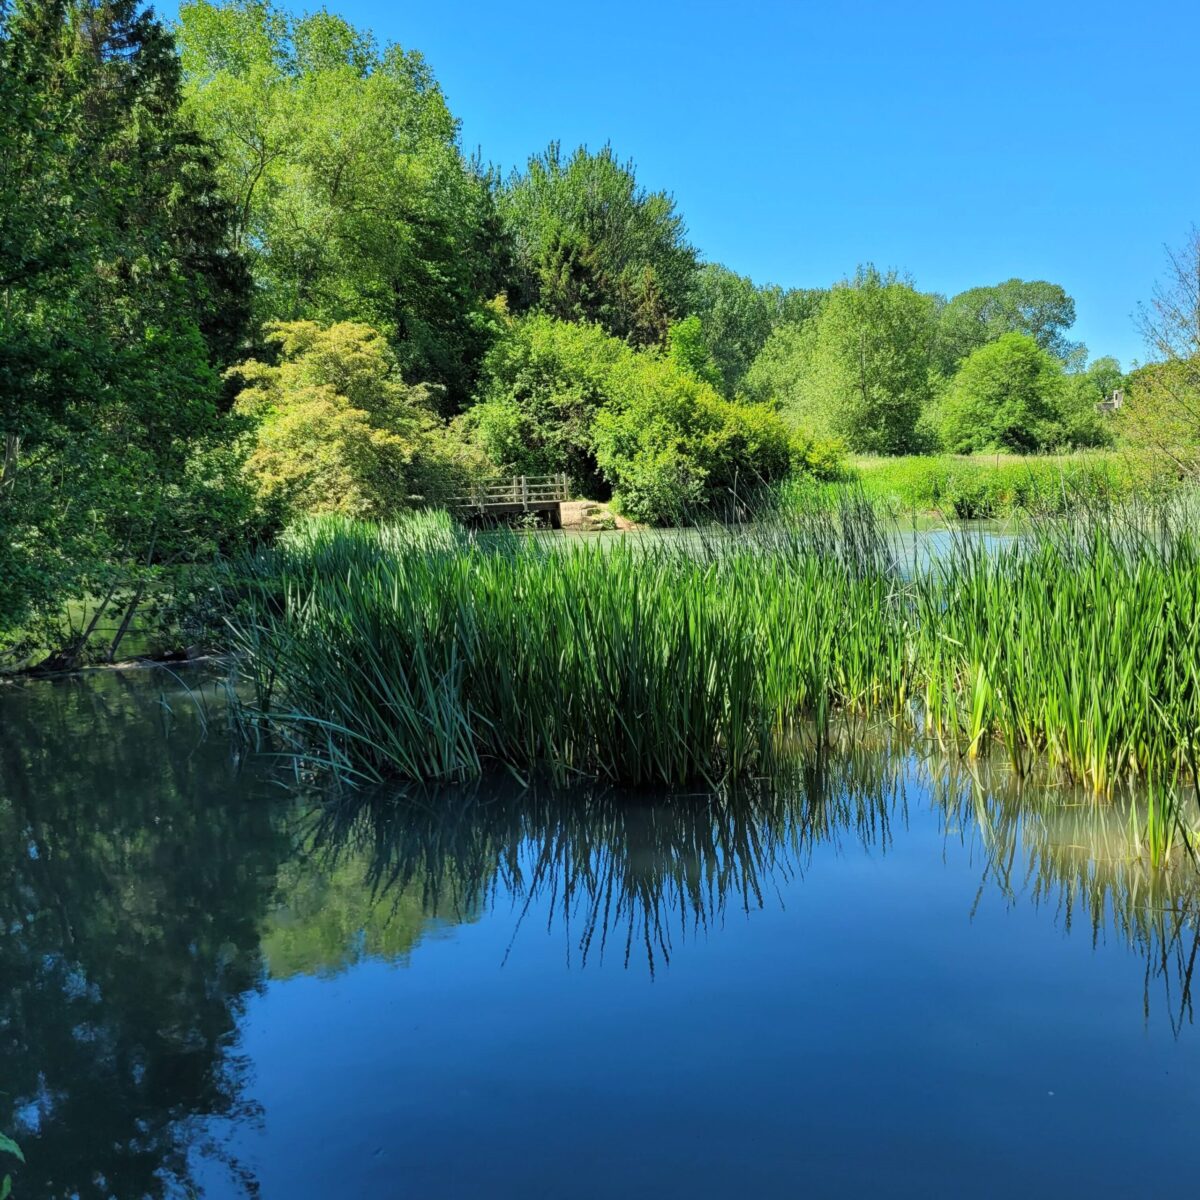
962	143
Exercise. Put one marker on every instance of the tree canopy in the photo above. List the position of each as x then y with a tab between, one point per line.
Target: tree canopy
1007	396
1040	310
335	428
351	197
591	244
121	294
859	370
646	426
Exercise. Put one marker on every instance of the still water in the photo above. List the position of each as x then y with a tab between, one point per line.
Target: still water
895	979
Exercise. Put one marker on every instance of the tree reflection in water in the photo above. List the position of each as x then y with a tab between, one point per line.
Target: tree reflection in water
148	889
133	883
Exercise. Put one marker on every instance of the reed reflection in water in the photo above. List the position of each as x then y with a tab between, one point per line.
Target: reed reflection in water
632	875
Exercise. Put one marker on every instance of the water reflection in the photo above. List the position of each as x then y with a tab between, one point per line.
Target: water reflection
621	872
150	890
1059	848
131	899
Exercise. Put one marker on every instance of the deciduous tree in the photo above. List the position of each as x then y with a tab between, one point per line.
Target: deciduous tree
859	370
335	429
353	199
591	244
120	294
1041	310
1008	395
1162	409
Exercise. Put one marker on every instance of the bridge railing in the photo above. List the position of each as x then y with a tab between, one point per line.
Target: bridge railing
528	491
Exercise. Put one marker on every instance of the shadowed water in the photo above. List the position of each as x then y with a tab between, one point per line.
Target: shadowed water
888	977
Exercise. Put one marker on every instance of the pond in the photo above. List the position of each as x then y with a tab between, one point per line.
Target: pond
893	977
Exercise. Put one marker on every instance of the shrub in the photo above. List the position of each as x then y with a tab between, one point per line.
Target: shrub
668	442
649	427
544	381
335	429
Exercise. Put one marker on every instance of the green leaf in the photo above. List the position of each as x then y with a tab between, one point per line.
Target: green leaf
8	1146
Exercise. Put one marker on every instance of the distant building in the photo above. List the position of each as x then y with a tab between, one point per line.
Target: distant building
1112	403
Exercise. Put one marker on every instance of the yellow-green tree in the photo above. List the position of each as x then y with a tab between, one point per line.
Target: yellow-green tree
335	429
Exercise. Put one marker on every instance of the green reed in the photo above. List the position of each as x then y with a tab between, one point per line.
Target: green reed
423	652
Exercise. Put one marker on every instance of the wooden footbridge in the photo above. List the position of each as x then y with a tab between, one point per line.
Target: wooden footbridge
521	494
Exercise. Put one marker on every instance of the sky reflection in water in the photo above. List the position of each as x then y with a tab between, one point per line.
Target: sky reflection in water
887	977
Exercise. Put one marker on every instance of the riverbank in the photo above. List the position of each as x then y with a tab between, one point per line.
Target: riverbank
991	486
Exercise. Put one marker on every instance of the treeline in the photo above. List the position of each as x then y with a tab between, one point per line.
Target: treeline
247	272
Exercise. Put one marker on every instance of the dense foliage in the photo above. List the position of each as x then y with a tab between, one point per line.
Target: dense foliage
1006	397
972	319
334	428
247	273
351	198
859	370
648	427
121	296
591	245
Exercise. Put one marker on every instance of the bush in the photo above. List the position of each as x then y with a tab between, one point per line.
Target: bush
335	429
668	442
648	427
544	381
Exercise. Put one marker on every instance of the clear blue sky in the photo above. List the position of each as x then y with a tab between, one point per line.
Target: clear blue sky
963	143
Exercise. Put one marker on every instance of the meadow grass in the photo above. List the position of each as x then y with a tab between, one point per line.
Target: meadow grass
984	486
420	651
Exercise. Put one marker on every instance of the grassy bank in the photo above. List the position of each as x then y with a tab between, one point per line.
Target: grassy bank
998	485
420	652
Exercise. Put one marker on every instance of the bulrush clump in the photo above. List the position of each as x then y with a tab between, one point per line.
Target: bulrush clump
420	651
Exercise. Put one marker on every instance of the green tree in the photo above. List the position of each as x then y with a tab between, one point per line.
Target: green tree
592	245
1041	310
353	199
688	348
335	429
1008	395
736	318
859	370
643	425
1083	392
798	305
120	295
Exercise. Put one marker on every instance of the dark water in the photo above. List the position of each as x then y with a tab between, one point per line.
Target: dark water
893	980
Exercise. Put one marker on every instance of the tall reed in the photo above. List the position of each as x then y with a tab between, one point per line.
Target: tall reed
423	652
